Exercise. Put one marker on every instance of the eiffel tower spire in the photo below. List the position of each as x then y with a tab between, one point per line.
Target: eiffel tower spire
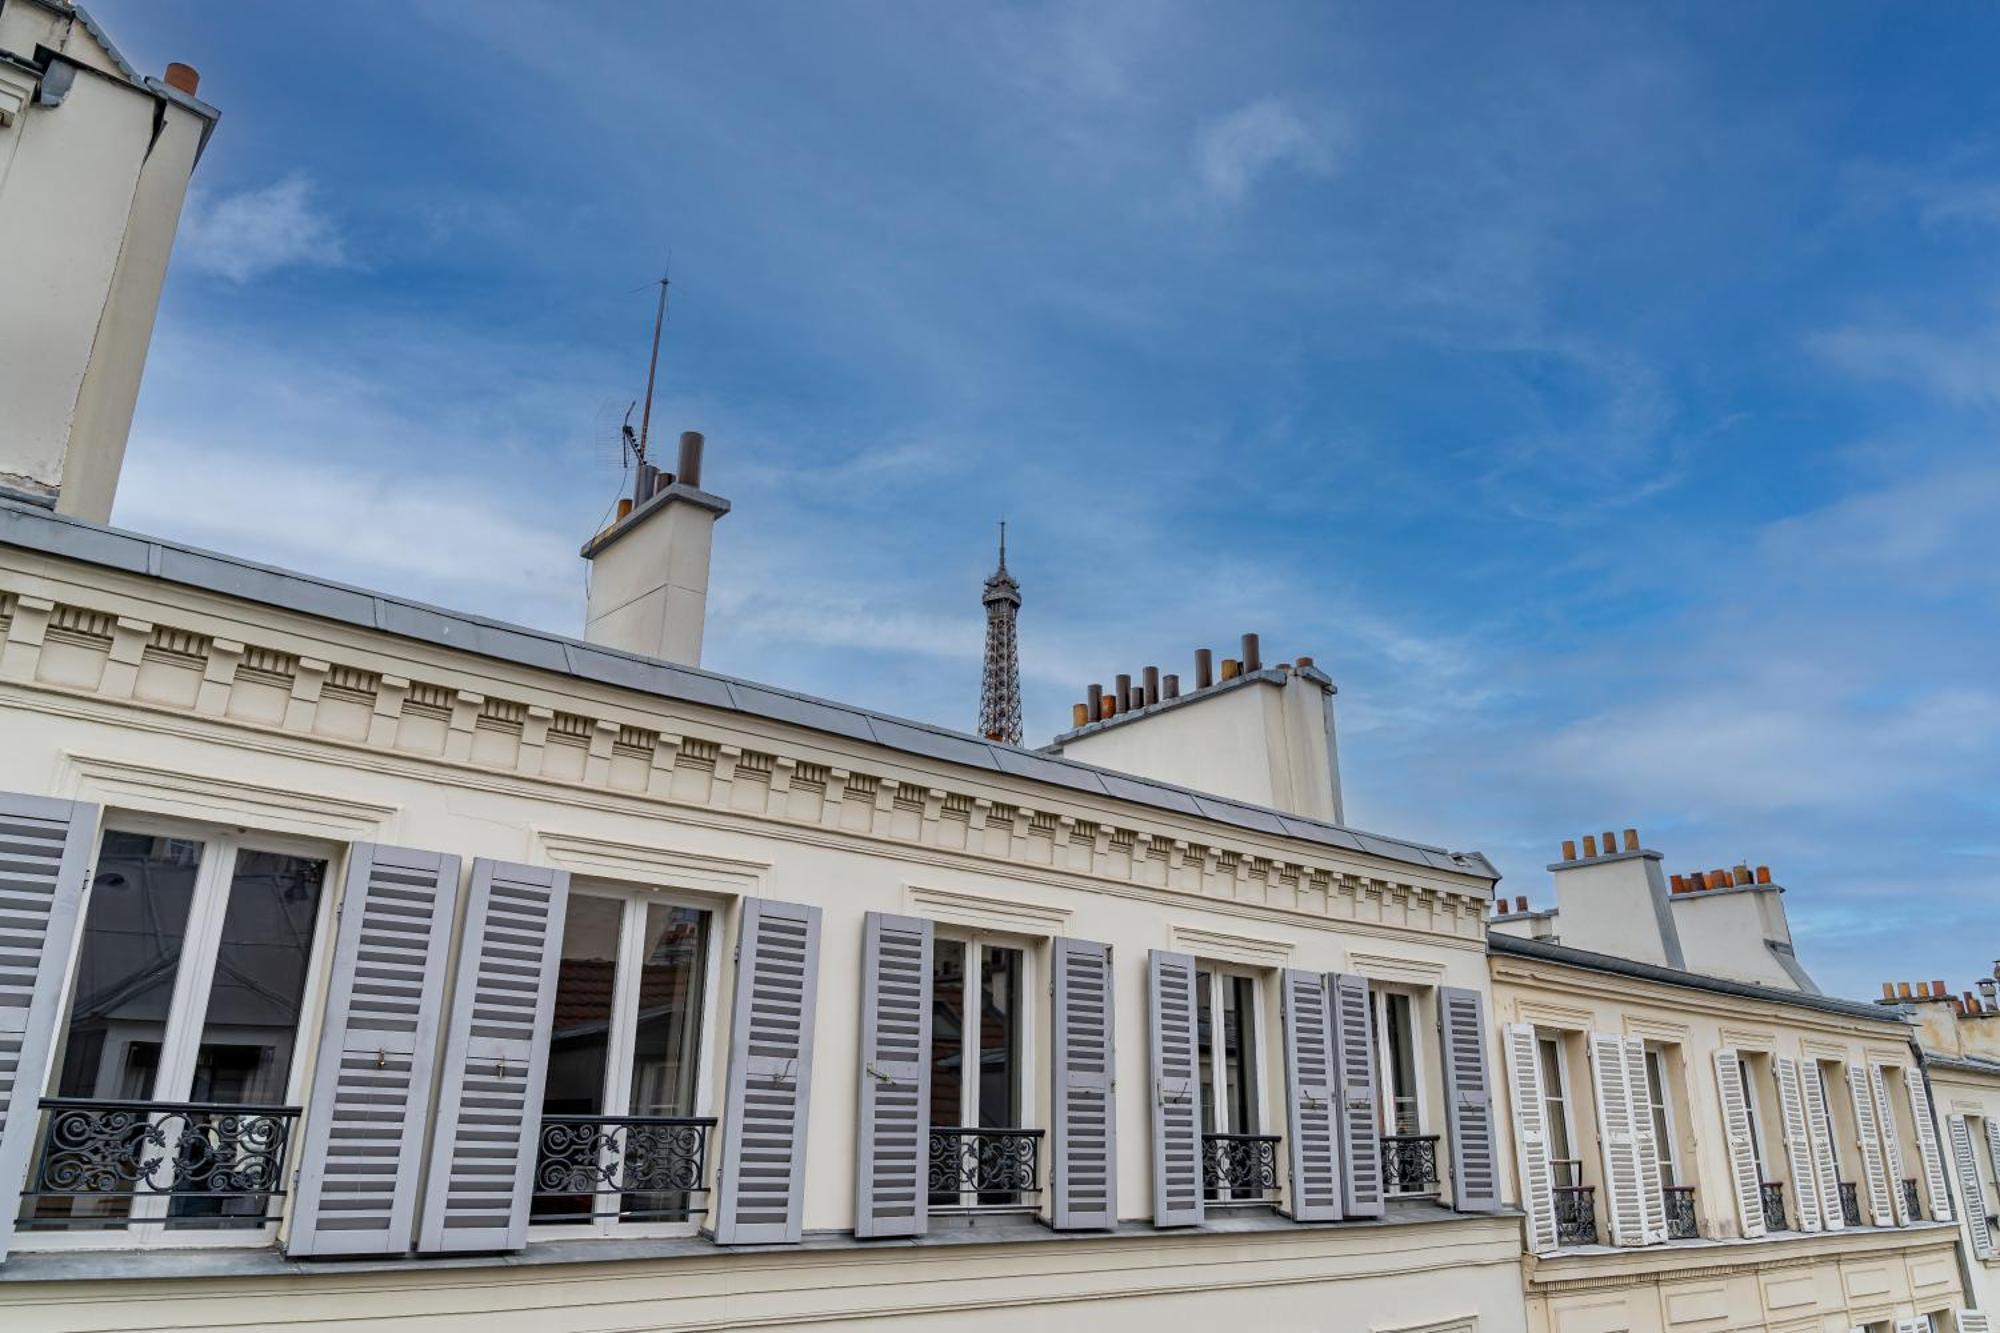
1000	691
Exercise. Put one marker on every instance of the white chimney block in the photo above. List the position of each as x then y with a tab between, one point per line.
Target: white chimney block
649	576
1618	904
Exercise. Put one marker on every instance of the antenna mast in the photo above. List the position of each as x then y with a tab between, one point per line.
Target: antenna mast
646	417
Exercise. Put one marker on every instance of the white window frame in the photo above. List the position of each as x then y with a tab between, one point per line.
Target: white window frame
976	943
1665	1128
623	1033
187	1013
1755	1112
1253	1051
1419	1055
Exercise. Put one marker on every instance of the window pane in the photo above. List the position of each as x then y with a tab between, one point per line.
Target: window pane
666	1052
250	1033
947	1033
1204	1044
999	1038
1556	1113
570	1158
1656	1093
1237	1008
1402	1064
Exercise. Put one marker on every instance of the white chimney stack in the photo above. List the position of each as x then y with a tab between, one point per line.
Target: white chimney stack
649	569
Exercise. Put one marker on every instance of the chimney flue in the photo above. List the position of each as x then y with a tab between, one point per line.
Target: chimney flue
182	78
688	470
1589	846
1152	675
1253	658
1170	686
1204	676
1094	702
1631	840
1569	849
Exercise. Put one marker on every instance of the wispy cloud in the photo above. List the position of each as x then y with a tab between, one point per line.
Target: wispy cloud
245	235
1233	152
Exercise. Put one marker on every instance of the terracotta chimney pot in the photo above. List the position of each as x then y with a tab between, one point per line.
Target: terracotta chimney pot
1631	840
1569	849
182	78
1589	846
1763	874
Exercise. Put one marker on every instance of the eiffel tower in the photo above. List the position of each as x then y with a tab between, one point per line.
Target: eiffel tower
1000	690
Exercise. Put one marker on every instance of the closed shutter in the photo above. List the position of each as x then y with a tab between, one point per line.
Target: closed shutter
1531	1136
1617	1139
1974	1321
1826	1168
1966	1159
1927	1143
1312	1147
892	1181
1736	1138
761	1193
1868	1134
1652	1194
364	1131
1798	1144
1171	1017
1085	1165
496	1053
1354	1059
1892	1144
1468	1101
45	852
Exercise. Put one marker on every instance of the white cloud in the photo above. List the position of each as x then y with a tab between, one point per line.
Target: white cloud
250	233
1233	152
1960	369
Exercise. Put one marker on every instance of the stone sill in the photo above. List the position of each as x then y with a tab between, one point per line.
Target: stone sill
1595	1262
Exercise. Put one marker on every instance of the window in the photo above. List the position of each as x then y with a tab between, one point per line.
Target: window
1401	1109
1555	1110
1225	1042
1662	1114
1750	1111
190	981
624	1137
978	1049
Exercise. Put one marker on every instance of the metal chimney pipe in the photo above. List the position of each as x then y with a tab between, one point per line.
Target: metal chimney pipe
1204	676
1095	696
1123	689
1253	659
688	470
1170	687
1152	685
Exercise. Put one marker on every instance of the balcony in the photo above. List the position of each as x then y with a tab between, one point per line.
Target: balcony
1576	1204
1239	1168
108	1165
1912	1201
637	1168
1850	1203
1773	1192
984	1169
1410	1164
1681	1223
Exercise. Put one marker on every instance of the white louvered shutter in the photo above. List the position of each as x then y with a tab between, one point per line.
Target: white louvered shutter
1974	1321
1312	1147
1362	1186
1646	1142
1892	1144
1531	1137
1617	1138
1171	1018
892	1181
1927	1143
1798	1145
364	1132
45	853
1085	1154
1868	1133
1733	1099
1993	1152
760	1198
1966	1159
489	1120
1826	1168
1468	1101
1915	1324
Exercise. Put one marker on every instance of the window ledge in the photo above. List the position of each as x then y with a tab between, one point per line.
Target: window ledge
1559	1264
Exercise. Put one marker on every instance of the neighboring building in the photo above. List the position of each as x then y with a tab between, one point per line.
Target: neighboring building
94	163
1959	1036
1703	1140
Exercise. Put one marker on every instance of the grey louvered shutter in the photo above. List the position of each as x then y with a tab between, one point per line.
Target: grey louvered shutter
45	852
1927	1143
1531	1137
1468	1101
1617	1138
1313	1145
496	1054
1736	1130
1868	1133
1798	1144
1172	1008
1892	1144
1966	1159
1362	1186
761	1198
892	1180
1084	1165
364	1131
1826	1168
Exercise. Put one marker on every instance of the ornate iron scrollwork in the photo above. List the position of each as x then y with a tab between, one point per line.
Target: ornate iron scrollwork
582	1157
1239	1167
1410	1164
996	1165
220	1162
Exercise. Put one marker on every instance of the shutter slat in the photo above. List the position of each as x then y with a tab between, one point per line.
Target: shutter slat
892	1181
1734	1101
1826	1169
1617	1138
1313	1146
482	1160
1798	1146
1974	1321
1869	1131
45	854
761	1193
364	1130
1927	1143
1892	1145
1084	1165
1531	1136
1172	1008
1362	1186
1468	1101
1970	1187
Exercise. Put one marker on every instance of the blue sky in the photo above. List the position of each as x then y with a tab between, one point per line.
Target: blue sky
1604	394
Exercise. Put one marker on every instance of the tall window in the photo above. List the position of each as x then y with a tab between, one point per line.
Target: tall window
621	1103
1396	1046
978	1041
1225	1041
1662	1114
1555	1111
1750	1110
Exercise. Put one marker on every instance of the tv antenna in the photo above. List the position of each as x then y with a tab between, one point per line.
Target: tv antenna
652	370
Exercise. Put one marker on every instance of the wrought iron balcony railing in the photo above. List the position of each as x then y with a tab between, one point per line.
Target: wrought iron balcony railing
1850	1203
1239	1168
984	1168
1576	1215
1410	1164
1773	1192
1681	1224
1913	1201
195	1165
635	1168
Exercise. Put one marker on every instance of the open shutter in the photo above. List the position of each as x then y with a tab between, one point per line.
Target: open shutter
1354	1059
1531	1136
496	1054
1966	1159
1798	1145
761	1193
1892	1144
1468	1101
1171	1016
1868	1133
1312	1146
364	1131
1085	1165
1736	1136
892	1182
45	852
1914	1324
1617	1139
1993	1152
1974	1321
1927	1143
1652	1194
1826	1169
